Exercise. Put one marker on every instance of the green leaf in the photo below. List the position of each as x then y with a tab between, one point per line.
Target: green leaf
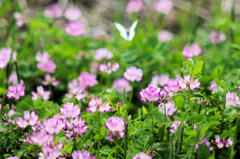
144	110
197	69
203	152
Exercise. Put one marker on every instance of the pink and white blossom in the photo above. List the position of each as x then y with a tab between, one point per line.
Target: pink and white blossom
28	119
5	54
163	6
45	95
109	67
168	107
72	13
75	28
174	126
16	91
216	37
82	155
50	81
190	51
53	11
70	110
150	94
213	87
232	99
96	105
188	83
102	54
120	84
133	74
116	125
134	6
142	155
160	80
164	36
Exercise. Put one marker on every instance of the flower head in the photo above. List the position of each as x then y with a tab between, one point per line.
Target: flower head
160	80
87	79
142	155
16	91
82	155
116	126
75	29
217	37
5	54
13	157
213	87
102	54
174	126
72	13
45	63
50	81
28	119
120	84
20	19
41	138
188	83
53	11
164	36
70	110
45	95
150	94
55	124
190	51
77	93
219	142
13	78
134	6
133	74
170	108
109	67
96	105
163	6
232	99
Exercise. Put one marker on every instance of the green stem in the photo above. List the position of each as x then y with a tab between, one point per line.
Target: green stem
131	96
99	135
152	117
116	147
190	105
2	104
144	115
105	86
237	137
18	74
126	128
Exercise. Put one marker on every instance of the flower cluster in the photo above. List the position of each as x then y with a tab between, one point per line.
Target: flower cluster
53	11
76	127
133	74
70	111
163	6
72	13
134	6
116	126
82	155
164	36
102	54
16	91
45	95
28	119
77	93
221	143
45	63
109	67
96	105
50	81
75	28
213	87
188	83
168	107
150	94
142	155
160	80
174	126
5	54
190	51
232	99
217	37
120	84
206	142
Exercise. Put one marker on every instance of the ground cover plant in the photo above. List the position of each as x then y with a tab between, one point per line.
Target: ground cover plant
158	90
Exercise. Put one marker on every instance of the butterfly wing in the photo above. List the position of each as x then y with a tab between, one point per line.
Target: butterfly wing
132	30
122	30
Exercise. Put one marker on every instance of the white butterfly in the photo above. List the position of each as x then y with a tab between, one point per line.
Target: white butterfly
126	34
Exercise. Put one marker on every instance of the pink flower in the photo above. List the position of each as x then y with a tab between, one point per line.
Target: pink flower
213	87
187	83
16	91
53	11
41	138
51	151
195	127
134	6
206	142
75	29
5	54
120	84
13	78
174	126
20	19
69	110
172	86
217	37
50	81
77	93
170	108
133	74
87	79
228	142
96	105
77	126
55	124
45	63
109	67
190	51
164	36
102	54
72	13
150	94
160	80
45	95
94	67
219	142
13	157
163	6
238	89
142	155
116	126
28	119
82	155
232	99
